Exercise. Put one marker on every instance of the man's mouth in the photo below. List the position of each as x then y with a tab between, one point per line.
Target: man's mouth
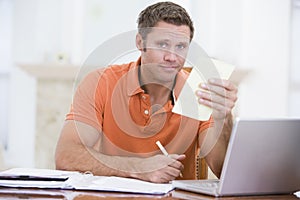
169	67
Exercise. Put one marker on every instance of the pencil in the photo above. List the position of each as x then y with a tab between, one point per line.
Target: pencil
164	151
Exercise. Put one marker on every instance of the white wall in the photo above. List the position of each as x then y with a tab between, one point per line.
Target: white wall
254	35
218	27
6	7
107	18
294	87
265	49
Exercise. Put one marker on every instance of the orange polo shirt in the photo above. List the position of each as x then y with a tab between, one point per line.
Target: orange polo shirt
112	101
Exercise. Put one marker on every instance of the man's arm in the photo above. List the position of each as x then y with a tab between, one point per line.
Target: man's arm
221	96
76	151
214	142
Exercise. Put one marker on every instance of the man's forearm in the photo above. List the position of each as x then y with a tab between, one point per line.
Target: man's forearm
154	169
81	158
216	156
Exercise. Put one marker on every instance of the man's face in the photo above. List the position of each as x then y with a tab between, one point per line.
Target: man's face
166	48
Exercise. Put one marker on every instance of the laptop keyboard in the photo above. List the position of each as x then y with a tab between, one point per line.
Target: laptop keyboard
208	184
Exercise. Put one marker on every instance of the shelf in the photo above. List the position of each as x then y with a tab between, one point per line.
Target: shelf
51	71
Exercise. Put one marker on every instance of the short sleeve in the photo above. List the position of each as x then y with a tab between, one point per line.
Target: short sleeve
205	125
84	106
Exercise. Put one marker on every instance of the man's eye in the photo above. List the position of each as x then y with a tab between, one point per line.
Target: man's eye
162	44
181	46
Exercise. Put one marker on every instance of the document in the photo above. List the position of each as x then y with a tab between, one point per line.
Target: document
187	102
58	179
117	184
38	178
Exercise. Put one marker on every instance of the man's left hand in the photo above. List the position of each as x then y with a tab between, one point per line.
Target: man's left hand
218	94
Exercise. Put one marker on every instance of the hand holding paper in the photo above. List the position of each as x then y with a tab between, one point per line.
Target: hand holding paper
187	103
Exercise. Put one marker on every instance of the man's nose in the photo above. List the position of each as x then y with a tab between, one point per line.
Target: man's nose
170	56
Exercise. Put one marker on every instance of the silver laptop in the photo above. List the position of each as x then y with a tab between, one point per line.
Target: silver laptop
263	157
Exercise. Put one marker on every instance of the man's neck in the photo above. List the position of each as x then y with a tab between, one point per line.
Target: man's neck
159	93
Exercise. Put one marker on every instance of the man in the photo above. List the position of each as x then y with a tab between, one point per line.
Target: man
119	113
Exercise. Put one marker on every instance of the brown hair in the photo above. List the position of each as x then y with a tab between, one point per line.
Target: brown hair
163	11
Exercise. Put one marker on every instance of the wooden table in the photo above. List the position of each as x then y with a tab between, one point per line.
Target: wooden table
15	193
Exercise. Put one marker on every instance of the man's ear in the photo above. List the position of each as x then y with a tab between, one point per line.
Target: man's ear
139	42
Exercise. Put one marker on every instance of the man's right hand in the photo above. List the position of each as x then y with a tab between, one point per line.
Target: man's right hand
160	168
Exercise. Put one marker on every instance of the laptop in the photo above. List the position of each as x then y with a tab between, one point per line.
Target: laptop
263	157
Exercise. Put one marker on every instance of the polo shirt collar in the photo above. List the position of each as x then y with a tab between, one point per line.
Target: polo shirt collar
133	85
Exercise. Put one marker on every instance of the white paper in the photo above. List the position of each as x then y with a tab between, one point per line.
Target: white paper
117	184
34	184
297	194
187	102
43	173
38	172
79	181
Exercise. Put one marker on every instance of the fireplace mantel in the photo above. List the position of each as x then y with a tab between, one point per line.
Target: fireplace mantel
51	70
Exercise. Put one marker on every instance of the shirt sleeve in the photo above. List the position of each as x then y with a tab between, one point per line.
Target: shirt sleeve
84	107
205	125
